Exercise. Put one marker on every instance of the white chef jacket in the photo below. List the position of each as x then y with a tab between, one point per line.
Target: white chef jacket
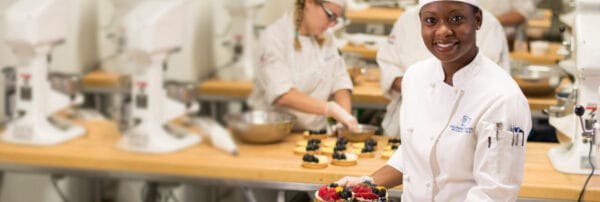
405	47
445	130
498	7
318	71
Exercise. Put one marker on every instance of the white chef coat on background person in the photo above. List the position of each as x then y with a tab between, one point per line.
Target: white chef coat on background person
498	7
318	71
445	130
405	47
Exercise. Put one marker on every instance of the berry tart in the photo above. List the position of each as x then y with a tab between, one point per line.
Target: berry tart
333	193
368	192
303	143
388	151
366	152
343	159
311	148
314	161
316	134
368	142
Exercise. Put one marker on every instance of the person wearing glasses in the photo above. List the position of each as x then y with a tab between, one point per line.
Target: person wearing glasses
300	70
463	119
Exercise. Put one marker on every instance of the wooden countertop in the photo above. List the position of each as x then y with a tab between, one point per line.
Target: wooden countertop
364	91
276	162
375	15
550	58
390	15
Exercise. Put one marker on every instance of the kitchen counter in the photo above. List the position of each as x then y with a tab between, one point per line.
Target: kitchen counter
274	165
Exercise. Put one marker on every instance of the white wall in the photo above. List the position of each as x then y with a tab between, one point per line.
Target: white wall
194	62
79	53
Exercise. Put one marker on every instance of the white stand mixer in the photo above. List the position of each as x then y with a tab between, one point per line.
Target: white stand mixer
241	66
154	29
573	156
33	27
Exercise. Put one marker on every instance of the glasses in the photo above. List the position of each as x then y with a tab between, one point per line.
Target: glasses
332	17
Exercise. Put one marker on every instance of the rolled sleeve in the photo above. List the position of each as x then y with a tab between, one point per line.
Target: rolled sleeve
395	160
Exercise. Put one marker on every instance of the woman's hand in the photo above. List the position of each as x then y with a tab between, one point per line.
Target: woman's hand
353	181
334	110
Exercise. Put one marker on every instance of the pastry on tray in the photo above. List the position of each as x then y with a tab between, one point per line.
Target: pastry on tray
314	161
331	150
344	159
333	193
303	143
368	142
364	192
318	134
366	152
394	141
389	151
311	148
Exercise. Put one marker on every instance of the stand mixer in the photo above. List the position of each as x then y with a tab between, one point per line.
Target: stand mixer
154	30
572	156
33	28
240	41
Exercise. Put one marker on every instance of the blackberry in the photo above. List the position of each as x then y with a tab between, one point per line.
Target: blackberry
382	193
333	185
394	147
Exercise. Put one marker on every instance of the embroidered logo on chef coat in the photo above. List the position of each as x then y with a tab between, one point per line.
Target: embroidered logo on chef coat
267	58
464	126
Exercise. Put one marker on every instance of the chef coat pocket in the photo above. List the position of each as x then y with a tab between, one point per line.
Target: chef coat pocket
509	154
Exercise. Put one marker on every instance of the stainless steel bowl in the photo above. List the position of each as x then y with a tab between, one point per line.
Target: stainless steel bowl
363	133
260	126
537	80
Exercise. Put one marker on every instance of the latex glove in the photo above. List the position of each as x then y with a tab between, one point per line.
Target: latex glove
353	181
334	110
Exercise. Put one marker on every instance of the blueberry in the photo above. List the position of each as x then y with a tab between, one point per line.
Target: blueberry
345	195
312	147
339	148
333	185
314	141
339	155
375	190
314	159
307	157
366	149
342	140
394	147
382	193
371	142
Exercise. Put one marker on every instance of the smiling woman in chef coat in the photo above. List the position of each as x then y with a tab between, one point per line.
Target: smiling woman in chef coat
458	116
300	68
